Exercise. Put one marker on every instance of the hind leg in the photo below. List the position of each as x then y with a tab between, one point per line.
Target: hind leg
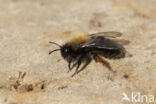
99	59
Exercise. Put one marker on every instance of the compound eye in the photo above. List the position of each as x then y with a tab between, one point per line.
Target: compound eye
66	50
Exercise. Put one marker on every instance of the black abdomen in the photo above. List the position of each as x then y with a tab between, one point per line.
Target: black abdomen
113	54
110	53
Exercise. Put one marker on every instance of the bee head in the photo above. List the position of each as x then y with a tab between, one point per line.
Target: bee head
66	52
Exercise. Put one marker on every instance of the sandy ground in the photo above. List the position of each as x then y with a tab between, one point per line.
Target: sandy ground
26	26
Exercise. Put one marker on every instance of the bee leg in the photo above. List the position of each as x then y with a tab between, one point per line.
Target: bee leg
78	65
71	67
82	68
74	65
99	59
69	64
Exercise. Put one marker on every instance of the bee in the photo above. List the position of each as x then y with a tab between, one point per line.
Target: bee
82	49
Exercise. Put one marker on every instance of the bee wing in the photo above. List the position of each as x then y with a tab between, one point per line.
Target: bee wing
121	41
111	34
101	42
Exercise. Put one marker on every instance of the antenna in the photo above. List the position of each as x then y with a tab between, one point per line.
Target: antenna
55	44
54	51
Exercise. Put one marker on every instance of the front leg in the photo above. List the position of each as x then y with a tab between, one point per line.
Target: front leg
78	65
71	67
69	64
82	68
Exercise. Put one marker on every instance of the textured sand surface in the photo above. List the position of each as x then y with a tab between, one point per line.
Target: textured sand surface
26	26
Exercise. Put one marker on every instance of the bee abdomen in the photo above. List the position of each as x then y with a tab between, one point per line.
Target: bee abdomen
113	54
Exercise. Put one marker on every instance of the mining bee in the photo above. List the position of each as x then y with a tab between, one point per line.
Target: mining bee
82	49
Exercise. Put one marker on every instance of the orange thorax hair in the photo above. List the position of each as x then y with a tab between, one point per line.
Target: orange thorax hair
78	40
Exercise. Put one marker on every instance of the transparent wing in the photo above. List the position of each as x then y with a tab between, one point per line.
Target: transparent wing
121	41
102	43
111	34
